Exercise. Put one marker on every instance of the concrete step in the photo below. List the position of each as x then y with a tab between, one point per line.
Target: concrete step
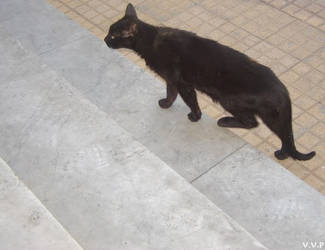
105	188
24	222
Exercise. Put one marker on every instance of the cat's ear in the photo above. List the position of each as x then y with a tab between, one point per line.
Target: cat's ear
130	11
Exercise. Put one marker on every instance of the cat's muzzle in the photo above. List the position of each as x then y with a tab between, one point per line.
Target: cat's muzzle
108	40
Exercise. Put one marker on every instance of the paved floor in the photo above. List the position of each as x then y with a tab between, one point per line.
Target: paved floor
286	35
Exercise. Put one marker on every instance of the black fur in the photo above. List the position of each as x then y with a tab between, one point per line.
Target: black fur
187	62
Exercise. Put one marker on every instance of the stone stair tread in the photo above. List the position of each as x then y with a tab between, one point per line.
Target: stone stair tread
24	222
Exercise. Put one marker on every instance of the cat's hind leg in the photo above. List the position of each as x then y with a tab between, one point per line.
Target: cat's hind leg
171	97
239	120
243	116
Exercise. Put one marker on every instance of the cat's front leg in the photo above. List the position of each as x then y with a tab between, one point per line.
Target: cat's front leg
188	94
171	96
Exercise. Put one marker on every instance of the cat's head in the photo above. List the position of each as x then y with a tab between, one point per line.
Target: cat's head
122	33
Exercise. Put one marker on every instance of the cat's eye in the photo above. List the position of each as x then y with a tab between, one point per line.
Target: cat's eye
116	35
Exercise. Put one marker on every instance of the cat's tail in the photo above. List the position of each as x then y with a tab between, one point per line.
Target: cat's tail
289	148
280	122
302	157
293	152
288	138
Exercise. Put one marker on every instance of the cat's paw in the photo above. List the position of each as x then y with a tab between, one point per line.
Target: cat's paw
164	103
194	117
280	155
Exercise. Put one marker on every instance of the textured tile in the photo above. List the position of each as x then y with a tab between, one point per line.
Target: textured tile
315	182
212	111
90	14
304	102
291	9
306	120
314	163
314	7
262	131
302	14
299	170
320	149
318	111
320	172
302	68
296	111
274	141
252	139
278	3
288	61
319	130
289	77
315	20
308	140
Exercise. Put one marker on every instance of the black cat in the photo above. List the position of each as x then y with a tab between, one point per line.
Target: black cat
187	62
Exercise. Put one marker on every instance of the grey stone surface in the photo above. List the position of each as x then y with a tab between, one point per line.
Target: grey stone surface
37	25
104	187
275	206
24	222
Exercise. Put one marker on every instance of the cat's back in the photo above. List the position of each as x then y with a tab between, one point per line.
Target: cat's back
186	49
205	61
199	50
183	41
172	39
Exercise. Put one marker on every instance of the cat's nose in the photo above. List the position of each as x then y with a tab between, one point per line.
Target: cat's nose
107	40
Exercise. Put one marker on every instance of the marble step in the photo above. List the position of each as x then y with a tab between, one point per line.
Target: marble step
105	188
24	222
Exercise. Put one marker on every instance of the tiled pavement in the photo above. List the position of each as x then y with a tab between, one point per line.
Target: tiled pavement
286	35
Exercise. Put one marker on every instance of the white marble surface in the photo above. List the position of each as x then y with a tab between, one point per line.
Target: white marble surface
24	222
